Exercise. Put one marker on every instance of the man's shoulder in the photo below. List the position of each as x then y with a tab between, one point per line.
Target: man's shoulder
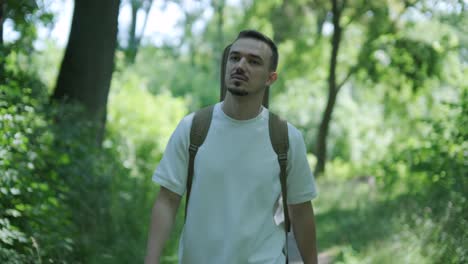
292	130
209	108
187	120
206	111
183	128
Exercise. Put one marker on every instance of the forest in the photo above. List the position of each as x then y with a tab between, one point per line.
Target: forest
378	89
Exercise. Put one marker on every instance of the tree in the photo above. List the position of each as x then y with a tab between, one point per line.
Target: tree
2	52
333	87
378	25
219	11
134	39
87	66
25	16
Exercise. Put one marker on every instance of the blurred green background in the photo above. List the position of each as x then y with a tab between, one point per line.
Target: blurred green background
379	90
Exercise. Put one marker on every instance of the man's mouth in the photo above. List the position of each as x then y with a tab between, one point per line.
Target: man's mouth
239	77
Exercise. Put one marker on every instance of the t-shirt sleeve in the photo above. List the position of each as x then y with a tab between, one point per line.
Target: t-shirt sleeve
172	169
300	181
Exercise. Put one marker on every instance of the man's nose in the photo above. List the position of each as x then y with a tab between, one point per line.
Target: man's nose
241	64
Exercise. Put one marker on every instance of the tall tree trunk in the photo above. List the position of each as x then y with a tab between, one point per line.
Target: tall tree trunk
87	66
134	39
2	47
333	89
188	35
219	7
220	12
147	8
2	19
130	53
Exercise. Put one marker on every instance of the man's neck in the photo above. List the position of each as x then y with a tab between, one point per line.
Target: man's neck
242	107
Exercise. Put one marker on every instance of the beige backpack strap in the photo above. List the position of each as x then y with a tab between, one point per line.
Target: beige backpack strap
280	142
200	126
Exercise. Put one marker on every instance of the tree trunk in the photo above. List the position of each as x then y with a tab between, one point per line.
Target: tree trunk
130	53
134	39
219	7
2	19
2	47
87	66
220	12
332	91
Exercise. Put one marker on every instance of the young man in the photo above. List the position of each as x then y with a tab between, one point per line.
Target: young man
236	187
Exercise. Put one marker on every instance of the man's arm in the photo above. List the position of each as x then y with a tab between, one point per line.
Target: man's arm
303	223
162	219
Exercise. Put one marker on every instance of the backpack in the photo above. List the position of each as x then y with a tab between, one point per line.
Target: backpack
278	130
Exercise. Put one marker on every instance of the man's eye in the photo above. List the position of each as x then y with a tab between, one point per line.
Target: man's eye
234	58
255	62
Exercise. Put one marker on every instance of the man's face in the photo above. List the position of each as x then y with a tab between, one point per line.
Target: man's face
248	67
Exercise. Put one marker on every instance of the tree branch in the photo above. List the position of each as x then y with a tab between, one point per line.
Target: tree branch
147	9
351	71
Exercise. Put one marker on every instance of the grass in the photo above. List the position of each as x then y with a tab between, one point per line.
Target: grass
360	225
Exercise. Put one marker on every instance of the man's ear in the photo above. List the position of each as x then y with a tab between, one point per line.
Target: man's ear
272	78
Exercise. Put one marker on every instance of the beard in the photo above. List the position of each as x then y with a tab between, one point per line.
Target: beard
236	90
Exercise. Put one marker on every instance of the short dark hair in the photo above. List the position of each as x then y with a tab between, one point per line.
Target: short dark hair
259	36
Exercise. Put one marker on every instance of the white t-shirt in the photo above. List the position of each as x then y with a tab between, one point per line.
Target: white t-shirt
235	189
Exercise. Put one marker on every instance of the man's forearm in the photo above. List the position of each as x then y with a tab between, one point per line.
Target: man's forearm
303	222
162	218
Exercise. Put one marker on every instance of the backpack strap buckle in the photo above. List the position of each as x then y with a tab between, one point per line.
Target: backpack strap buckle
283	156
193	148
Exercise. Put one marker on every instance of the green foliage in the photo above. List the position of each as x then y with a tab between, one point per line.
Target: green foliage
64	198
358	223
195	77
138	127
435	151
430	165
25	15
395	187
44	64
34	223
87	172
415	60
142	120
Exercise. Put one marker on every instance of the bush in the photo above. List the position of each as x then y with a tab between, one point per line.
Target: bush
34	223
139	126
432	169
